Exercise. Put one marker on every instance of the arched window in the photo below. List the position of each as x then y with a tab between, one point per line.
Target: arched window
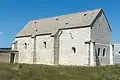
119	52
45	44
104	52
71	35
98	51
73	49
25	45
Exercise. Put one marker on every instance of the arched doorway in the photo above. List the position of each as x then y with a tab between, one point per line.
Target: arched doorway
12	57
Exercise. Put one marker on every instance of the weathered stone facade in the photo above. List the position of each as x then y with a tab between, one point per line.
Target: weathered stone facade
116	53
101	35
74	43
74	38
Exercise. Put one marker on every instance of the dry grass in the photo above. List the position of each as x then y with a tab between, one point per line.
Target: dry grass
44	72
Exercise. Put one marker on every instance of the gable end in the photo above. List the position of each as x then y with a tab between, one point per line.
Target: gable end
99	14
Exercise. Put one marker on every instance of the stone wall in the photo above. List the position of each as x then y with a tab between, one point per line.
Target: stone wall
101	35
4	57
73	50
25	48
45	49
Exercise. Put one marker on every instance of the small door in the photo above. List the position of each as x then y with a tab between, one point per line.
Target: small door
12	58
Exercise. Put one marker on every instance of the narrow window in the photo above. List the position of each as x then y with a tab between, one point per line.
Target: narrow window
99	24
71	35
44	44
119	52
104	52
98	51
25	45
73	49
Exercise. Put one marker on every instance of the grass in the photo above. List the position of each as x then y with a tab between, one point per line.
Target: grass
44	72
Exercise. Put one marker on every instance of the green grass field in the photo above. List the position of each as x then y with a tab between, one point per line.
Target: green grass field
44	72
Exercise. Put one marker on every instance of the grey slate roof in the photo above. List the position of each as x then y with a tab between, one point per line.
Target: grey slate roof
53	24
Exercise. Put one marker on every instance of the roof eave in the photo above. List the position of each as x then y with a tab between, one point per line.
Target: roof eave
107	20
56	31
23	36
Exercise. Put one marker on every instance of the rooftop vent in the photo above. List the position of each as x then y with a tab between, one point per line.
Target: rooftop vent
66	22
35	21
56	18
85	14
36	30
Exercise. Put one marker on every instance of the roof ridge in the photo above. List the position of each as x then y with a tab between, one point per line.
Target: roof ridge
69	14
49	26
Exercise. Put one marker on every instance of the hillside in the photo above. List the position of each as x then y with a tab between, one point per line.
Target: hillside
44	72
